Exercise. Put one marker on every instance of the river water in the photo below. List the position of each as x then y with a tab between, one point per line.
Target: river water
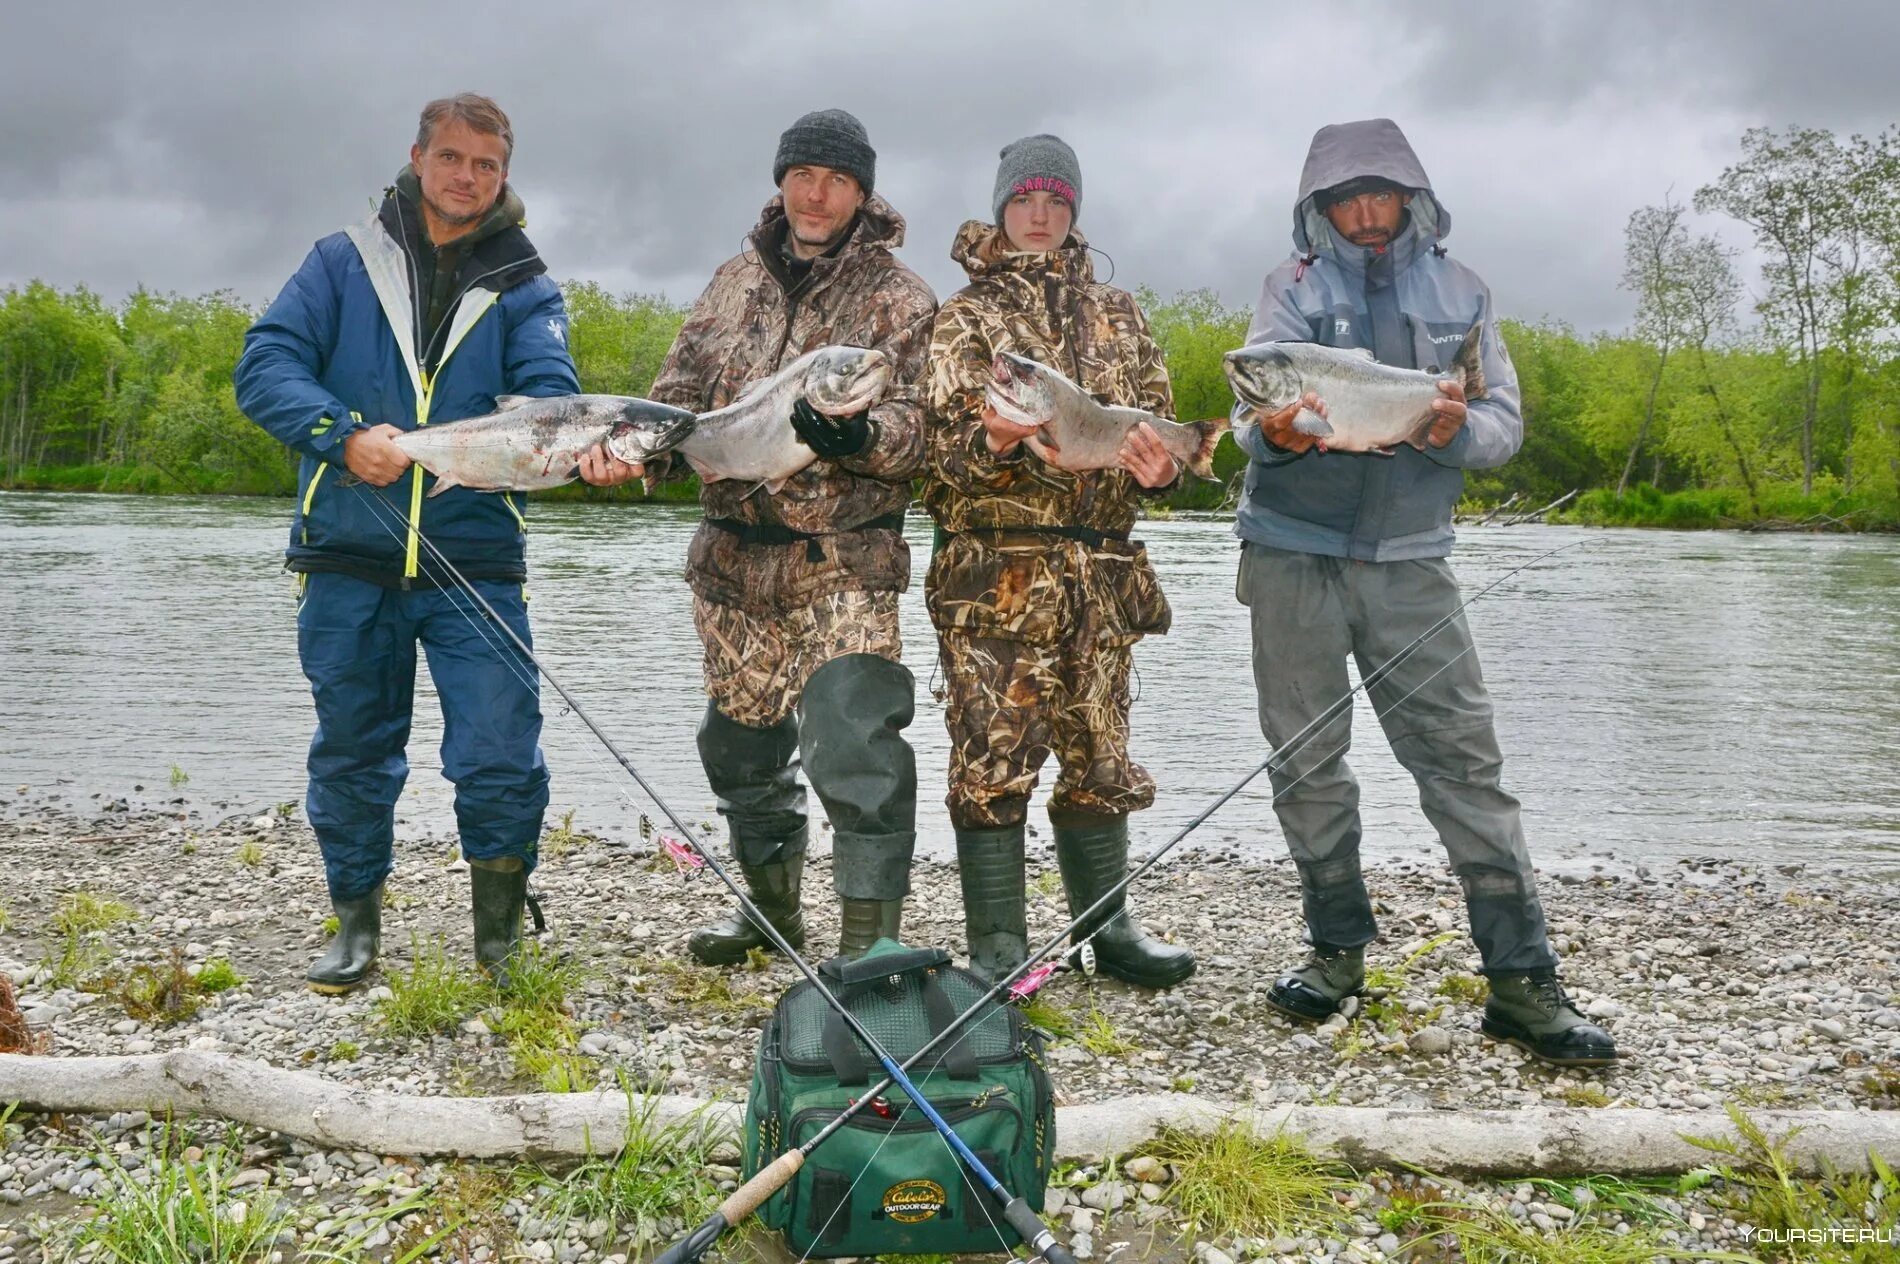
1660	695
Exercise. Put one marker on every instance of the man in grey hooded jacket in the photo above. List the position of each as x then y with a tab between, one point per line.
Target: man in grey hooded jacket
1344	553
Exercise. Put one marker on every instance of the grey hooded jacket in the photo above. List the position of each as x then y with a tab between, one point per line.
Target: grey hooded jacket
1409	304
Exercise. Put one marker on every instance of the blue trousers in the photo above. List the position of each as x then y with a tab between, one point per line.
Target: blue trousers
357	642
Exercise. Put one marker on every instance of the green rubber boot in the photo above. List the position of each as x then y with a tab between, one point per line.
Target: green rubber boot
1092	852
352	952
1314	992
866	922
1532	1011
498	891
775	891
995	908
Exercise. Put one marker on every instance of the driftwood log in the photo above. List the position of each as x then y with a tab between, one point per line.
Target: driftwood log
549	1125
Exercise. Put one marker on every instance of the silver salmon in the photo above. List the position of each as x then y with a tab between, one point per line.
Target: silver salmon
752	439
528	444
1369	406
1073	432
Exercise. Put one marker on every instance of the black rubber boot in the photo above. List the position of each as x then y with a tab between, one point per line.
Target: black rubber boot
1093	855
995	909
499	898
774	889
1314	992
352	952
866	922
1532	1011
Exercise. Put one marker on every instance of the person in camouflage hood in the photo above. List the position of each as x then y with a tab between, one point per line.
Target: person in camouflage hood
1037	593
795	591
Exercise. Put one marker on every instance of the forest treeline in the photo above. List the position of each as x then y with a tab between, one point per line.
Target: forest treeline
1725	400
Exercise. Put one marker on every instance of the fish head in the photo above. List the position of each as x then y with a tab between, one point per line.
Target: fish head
1020	390
840	381
640	428
1264	376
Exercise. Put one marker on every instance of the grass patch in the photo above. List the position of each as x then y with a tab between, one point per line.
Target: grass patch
345	1051
1485	1234
178	1209
1761	1188
434	995
1231	1181
1101	1038
533	1018
80	922
701	988
1586	1095
658	1172
463	1214
6	918
249	853
179	776
218	975
331	925
1046	885
1388	1012
164	994
1046	1014
563	838
1466	989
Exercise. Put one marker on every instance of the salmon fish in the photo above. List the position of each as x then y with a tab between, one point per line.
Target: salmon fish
1073	432
1369	406
529	444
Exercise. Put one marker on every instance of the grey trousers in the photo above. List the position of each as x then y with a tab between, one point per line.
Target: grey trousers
1308	613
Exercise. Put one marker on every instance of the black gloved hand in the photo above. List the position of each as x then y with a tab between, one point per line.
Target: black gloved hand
831	437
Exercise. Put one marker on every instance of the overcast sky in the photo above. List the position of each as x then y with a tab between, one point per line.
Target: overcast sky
194	147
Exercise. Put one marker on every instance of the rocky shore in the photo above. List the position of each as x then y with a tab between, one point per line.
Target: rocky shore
1726	984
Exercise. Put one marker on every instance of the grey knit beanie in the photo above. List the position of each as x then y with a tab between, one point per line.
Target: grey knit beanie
827	138
1037	162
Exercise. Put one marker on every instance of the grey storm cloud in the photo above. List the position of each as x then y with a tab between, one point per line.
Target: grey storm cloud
197	147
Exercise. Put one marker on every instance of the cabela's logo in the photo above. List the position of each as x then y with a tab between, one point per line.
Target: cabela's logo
909	1202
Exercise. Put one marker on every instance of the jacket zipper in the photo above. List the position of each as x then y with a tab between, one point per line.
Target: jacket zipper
423	401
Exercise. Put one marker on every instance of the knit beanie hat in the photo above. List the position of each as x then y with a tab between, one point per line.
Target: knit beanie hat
827	138
1037	162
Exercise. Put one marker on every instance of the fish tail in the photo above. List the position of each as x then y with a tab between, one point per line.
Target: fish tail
1467	367
1201	462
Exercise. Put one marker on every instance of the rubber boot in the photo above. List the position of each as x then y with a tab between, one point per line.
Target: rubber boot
1093	857
775	890
866	922
995	909
359	935
1531	1010
1314	992
499	897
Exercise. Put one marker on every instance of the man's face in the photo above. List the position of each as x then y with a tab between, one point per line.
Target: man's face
462	172
819	204
1370	219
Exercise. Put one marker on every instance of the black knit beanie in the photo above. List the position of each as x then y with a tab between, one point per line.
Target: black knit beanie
827	138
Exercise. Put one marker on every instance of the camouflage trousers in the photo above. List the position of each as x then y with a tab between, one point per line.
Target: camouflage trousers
1011	703
757	664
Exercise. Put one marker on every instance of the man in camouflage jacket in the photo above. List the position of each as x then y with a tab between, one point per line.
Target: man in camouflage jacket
1037	593
795	591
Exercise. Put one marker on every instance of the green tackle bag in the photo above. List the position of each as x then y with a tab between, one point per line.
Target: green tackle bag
887	1182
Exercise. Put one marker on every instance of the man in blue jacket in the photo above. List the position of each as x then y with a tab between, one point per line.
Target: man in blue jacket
424	313
1344	553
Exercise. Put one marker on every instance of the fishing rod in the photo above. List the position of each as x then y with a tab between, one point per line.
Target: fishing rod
747	1198
1017	1212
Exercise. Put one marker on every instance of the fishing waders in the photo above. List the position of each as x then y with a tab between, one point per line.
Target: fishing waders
995	908
852	719
1092	852
755	774
352	952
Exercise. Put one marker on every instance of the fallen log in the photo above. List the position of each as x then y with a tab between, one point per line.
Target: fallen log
549	1125
1534	515
1500	508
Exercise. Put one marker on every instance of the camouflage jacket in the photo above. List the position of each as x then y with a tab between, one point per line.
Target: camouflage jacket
1049	307
747	326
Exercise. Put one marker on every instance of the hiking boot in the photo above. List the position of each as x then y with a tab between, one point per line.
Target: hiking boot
1314	992
774	889
359	935
867	921
995	907
1093	857
498	896
1531	1010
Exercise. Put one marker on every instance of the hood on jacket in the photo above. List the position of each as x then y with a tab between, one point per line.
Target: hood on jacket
983	250
1347	151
